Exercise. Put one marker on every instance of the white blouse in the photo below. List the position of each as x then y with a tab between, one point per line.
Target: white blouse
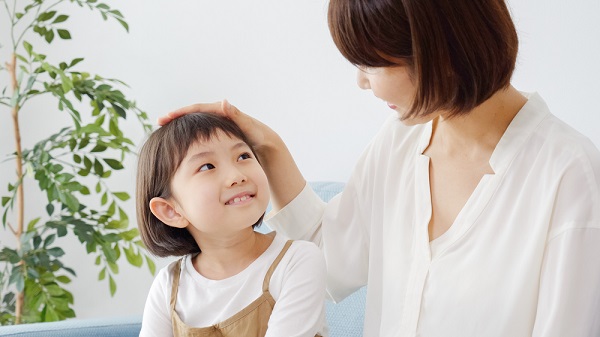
297	286
522	257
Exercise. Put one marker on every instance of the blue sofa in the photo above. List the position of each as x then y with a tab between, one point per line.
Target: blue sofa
345	319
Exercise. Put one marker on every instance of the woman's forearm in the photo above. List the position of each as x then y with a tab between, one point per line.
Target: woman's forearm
285	179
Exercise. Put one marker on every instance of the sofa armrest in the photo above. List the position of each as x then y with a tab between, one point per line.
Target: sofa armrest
97	327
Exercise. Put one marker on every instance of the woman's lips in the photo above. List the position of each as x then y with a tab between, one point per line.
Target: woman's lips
392	106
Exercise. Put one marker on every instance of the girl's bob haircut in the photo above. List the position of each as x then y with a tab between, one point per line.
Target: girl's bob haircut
158	161
458	52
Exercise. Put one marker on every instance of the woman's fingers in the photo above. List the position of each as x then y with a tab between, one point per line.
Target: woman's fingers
216	107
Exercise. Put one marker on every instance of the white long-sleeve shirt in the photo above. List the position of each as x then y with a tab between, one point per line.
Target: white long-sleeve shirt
522	257
297	286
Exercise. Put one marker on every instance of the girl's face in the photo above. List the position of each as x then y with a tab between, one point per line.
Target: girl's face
220	188
393	85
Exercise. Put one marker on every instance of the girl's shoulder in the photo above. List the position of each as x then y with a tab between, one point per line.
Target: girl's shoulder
300	251
165	274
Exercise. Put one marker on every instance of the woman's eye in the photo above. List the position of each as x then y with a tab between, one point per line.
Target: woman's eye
206	167
244	156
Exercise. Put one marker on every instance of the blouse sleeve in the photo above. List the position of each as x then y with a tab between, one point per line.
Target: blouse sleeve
569	293
156	321
569	297
337	228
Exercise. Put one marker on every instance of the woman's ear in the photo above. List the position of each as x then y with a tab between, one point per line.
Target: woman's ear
165	211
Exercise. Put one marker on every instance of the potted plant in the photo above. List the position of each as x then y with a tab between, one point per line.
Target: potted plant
71	167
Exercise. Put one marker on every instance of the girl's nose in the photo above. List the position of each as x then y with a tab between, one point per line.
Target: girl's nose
236	177
362	80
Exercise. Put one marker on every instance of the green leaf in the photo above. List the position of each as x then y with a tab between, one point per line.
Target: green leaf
151	265
122	195
49	240
37	241
50	314
5	201
120	111
46	16
98	168
98	187
27	47
66	84
60	18
49	36
50	209
133	257
61	231
124	24
113	286
83	143
70	201
104	199
56	252
54	289
85	190
75	61
99	148
32	224
64	34
113	266
102	274
130	234
63	279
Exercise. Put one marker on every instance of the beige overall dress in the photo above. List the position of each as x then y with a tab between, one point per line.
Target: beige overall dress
251	321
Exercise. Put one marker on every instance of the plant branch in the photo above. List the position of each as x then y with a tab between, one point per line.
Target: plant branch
12	229
12	69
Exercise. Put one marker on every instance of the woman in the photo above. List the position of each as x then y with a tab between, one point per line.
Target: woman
474	211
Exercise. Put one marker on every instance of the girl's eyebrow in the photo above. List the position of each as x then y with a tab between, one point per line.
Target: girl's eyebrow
202	154
239	145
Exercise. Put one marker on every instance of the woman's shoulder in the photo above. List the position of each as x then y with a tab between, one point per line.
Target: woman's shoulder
548	135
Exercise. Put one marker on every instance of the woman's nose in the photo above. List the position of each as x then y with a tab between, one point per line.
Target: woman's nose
362	80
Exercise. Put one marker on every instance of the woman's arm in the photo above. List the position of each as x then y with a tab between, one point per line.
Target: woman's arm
285	179
569	298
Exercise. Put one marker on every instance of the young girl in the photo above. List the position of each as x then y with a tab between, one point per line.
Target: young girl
474	211
200	193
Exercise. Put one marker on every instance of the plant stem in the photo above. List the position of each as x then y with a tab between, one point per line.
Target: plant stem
12	70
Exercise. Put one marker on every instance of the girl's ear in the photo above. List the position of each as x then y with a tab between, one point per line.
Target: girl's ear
165	211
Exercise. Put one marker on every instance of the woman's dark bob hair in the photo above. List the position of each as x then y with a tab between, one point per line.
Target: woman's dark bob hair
158	161
458	52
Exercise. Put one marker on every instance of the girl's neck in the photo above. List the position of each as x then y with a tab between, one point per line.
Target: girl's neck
224	257
478	132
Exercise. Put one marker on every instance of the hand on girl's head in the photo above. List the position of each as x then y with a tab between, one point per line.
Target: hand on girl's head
215	107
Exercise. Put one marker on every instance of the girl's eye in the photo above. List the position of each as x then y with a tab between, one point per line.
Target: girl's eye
244	156
206	167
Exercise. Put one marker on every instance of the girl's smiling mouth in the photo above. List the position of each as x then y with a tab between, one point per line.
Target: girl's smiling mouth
238	199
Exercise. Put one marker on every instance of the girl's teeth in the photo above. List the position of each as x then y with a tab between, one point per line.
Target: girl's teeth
236	200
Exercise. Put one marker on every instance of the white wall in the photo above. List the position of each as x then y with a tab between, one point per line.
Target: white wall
275	60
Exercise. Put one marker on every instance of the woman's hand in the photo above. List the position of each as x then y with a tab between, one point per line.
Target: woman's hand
259	135
285	179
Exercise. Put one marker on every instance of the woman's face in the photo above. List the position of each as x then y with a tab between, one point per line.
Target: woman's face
394	85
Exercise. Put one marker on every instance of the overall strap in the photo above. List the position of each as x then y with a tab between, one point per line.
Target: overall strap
175	283
274	265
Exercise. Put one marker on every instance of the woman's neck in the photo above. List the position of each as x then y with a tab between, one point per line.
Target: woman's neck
477	133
